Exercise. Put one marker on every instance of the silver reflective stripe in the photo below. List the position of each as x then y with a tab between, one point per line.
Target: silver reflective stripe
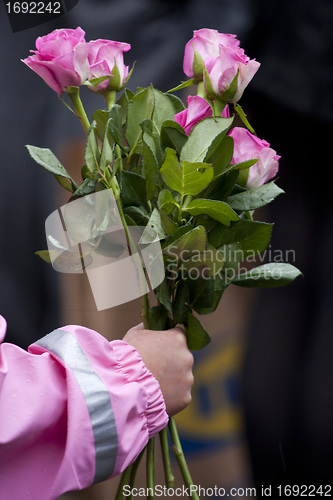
96	395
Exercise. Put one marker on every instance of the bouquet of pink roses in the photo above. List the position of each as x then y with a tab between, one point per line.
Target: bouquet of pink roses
184	175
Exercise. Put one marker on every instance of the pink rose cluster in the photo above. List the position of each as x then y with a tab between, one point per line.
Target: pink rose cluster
64	59
217	60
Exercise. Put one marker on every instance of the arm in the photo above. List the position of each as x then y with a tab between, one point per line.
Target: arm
75	410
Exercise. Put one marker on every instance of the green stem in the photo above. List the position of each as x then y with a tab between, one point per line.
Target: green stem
74	95
134	471
132	249
180	209
110	98
180	457
119	157
145	311
150	469
123	481
169	477
201	90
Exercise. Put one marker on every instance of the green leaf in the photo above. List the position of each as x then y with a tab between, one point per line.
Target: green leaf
88	186
197	337
173	135
152	138
140	108
233	255
219	288
178	104
181	231
179	307
166	202
252	236
117	166
151	170
255	198
201	294
138	215
222	186
194	239
86	174
123	102
217	210
44	255
46	159
163	109
230	91
244	169
101	117
162	293
91	153
183	85
169	226
116	124
205	264
129	220
106	154
158	318
220	153
268	275
202	136
133	189
129	94
243	177
66	183
185	178
244	164
154	229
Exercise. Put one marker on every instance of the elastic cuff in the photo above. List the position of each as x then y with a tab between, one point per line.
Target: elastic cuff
131	365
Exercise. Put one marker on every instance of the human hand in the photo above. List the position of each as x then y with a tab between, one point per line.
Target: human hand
166	355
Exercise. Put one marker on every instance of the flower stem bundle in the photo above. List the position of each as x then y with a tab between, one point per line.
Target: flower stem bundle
185	174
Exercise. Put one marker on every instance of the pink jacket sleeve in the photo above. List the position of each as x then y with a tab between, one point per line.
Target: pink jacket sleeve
74	410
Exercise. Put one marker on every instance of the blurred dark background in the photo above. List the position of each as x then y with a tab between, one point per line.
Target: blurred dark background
287	374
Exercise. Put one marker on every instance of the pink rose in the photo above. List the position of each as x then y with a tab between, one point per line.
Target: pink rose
221	71
205	43
247	147
197	109
106	58
60	59
216	58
